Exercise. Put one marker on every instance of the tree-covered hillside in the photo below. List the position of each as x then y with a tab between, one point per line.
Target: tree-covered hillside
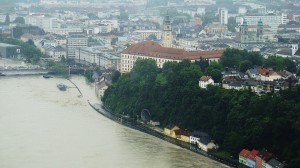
235	119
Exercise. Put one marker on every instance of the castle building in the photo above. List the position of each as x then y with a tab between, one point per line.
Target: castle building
167	32
161	55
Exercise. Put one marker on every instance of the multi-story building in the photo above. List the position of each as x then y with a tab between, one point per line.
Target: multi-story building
144	34
75	41
168	40
223	14
272	20
10	51
215	28
152	50
92	55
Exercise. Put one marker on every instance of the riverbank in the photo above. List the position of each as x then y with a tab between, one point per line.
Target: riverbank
140	127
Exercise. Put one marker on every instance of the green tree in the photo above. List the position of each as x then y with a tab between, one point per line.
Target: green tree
245	65
19	20
115	76
7	19
231	24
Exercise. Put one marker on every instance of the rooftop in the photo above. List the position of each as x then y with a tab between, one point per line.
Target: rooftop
152	49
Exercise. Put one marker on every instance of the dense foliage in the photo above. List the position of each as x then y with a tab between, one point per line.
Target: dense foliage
243	60
29	52
235	119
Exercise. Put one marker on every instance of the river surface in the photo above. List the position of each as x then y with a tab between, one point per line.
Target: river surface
42	127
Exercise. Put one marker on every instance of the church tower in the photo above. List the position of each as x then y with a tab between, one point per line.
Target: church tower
244	32
260	31
167	32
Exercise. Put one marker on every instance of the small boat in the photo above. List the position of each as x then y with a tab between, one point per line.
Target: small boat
1	74
61	87
47	76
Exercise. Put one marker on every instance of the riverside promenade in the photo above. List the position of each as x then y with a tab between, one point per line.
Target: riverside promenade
128	122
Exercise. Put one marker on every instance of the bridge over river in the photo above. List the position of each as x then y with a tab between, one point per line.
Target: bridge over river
24	71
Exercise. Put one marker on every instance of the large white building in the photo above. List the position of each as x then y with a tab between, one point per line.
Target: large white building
144	34
271	20
152	50
43	22
223	14
75	41
93	55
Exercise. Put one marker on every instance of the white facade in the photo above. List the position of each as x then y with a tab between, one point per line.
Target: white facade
271	20
223	14
74	42
144	34
194	140
204	83
93	55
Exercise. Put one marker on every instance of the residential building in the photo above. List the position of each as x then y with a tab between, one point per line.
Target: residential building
215	28
10	51
273	163
262	158
152	50
206	144
223	14
243	156
197	135
95	56
144	34
169	129
168	39
205	80
55	52
102	85
268	74
75	41
250	161
273	20
253	73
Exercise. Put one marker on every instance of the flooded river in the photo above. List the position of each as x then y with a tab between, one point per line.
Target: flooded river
43	127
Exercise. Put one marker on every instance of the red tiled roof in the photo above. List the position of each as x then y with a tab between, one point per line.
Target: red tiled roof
253	154
265	155
265	71
152	49
205	78
244	153
181	132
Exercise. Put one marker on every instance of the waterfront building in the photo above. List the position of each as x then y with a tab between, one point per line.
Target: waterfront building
243	156
95	56
152	50
273	163
75	41
169	129
168	39
262	158
10	51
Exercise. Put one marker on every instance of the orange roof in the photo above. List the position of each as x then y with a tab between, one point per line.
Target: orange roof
253	154
152	49
205	78
245	153
265	71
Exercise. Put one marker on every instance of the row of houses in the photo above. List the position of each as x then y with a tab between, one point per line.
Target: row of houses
256	79
201	139
259	159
